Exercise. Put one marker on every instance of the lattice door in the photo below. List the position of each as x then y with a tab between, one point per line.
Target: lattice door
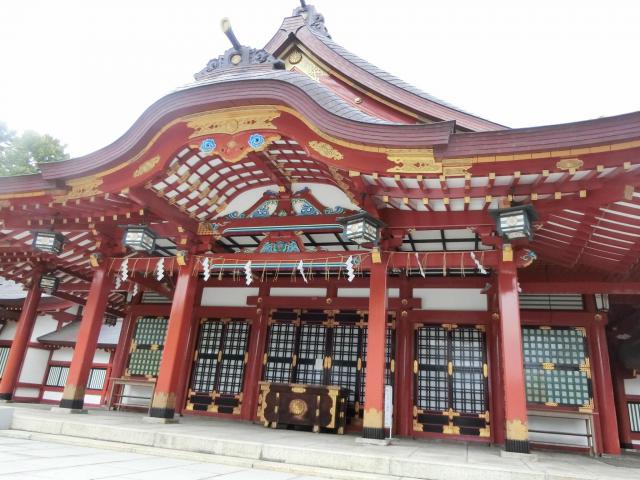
218	368
451	381
146	348
322	347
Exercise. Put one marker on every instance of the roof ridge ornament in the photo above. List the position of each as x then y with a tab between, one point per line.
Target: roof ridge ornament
312	17
237	55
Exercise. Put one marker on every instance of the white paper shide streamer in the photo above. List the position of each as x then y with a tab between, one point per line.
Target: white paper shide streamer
419	265
349	266
247	273
135	290
206	268
118	282
301	270
160	269
481	268
124	270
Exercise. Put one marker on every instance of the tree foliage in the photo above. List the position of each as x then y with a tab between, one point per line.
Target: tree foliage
22	154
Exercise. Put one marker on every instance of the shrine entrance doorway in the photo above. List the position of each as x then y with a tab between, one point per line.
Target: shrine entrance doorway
324	347
451	384
219	365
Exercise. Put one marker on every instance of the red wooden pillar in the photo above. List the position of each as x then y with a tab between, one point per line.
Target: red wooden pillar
515	400
604	387
403	391
373	422
85	349
20	341
173	364
257	345
495	374
188	352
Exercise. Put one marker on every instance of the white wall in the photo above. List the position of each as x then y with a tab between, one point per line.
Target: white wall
57	396
27	392
62	355
54	396
364	292
34	366
632	386
466	299
226	296
44	324
9	330
101	356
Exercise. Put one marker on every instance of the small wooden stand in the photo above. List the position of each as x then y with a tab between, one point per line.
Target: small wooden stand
315	406
119	401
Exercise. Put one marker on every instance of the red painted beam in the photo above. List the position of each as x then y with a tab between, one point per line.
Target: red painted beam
82	301
435	220
341	303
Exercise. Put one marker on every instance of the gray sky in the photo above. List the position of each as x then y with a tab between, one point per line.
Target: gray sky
85	71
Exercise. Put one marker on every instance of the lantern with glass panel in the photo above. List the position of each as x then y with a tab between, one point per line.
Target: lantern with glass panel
48	241
514	223
362	228
140	238
49	283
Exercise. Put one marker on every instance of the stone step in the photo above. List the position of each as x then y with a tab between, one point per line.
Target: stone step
196	457
341	458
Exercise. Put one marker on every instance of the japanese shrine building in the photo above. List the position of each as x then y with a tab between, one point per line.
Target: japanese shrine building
205	251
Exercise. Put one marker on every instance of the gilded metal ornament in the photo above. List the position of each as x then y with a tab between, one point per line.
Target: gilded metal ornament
413	161
232	121
569	164
147	166
325	150
298	407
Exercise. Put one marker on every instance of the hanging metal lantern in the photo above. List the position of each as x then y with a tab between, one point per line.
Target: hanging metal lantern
514	223
48	241
602	302
362	228
49	283
140	238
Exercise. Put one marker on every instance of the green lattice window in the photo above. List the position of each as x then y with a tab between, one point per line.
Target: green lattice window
4	354
556	366
147	346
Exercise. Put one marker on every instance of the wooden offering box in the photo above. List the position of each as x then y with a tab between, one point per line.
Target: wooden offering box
316	406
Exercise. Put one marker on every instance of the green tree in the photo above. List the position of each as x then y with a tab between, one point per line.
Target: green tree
22	154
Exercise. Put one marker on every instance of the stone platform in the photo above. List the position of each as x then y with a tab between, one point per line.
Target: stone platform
333	456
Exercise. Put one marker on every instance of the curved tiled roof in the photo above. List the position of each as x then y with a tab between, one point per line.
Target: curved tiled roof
67	335
378	72
322	95
375	79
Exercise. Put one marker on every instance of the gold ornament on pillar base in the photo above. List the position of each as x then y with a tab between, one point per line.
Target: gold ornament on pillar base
164	400
373	418
375	255
73	392
517	430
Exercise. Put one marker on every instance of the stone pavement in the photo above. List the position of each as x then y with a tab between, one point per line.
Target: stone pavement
242	444
40	460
